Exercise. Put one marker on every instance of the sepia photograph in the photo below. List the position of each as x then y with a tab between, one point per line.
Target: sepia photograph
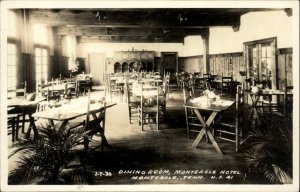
149	95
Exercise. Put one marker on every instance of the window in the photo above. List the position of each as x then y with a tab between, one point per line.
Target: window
11	68
266	72
41	65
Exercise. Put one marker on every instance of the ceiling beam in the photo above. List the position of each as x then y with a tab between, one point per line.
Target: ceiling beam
137	19
103	31
148	39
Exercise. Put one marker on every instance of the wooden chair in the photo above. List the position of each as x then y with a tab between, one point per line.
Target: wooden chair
17	115
230	129
267	104
13	125
73	91
166	82
225	86
19	91
206	75
182	78
152	108
187	92
200	85
288	102
84	85
192	122
132	101
93	126
112	87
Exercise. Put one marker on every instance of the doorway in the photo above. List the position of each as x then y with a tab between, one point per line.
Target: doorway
97	67
260	56
169	63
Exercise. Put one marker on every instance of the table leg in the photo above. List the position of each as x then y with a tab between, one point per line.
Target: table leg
51	122
205	130
199	137
63	124
99	119
254	112
214	143
31	126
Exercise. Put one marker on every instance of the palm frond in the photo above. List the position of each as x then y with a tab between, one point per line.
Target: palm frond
269	150
282	176
46	157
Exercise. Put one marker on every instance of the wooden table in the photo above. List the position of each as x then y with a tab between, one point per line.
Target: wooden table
70	111
147	91
26	106
58	87
214	109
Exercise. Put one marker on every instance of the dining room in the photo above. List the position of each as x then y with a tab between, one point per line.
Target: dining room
149	96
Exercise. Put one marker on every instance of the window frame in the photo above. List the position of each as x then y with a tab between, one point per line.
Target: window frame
44	66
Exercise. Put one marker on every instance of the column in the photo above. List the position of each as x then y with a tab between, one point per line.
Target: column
205	38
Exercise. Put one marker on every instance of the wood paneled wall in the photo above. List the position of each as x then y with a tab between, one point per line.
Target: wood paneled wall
193	64
285	66
230	64
227	64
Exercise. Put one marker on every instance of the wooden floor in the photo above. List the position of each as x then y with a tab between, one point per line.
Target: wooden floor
168	150
134	152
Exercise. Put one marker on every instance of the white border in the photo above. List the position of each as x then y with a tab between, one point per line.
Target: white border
151	4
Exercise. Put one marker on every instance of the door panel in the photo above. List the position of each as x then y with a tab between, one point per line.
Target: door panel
97	67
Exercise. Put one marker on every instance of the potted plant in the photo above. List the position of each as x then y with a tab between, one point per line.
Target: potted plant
50	159
269	150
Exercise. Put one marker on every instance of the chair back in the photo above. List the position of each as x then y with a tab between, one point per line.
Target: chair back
71	89
200	85
128	91
98	115
187	94
206	75
19	91
226	79
262	84
155	102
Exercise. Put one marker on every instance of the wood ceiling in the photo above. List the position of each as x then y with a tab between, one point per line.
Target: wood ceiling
137	25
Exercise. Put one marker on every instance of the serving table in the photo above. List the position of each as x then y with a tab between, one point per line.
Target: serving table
213	109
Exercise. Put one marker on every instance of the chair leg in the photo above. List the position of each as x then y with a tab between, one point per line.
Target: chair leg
86	144
129	110
236	139
142	121
157	121
13	127
17	128
23	122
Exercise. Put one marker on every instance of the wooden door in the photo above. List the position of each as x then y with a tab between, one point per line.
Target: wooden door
169	63
97	67
260	57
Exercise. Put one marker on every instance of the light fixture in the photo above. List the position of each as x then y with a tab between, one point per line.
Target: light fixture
165	31
182	18
100	16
